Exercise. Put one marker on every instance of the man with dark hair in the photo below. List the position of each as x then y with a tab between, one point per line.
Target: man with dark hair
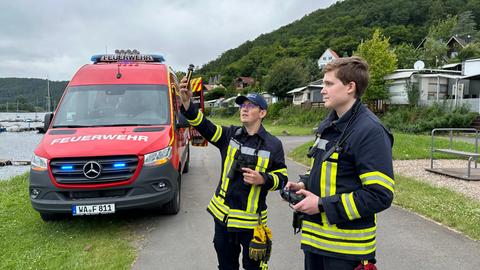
351	178
253	163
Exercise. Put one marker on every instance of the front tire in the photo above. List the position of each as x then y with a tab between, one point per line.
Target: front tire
173	206
186	167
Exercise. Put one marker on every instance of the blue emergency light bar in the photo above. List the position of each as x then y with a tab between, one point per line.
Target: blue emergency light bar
112	58
119	165
67	167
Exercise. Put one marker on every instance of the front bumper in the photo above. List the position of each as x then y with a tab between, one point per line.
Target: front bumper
144	192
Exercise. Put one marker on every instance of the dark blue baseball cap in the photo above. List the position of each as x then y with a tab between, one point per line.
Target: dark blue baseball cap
254	98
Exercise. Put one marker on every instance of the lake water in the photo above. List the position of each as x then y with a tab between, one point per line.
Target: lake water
18	145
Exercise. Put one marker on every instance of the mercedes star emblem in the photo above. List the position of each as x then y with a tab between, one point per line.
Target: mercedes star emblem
92	169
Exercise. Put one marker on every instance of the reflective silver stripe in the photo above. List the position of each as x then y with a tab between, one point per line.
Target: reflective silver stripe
322	144
229	167
339	234
337	247
276	181
218	214
378	178
220	205
244	224
226	168
264	154
234	144
349	205
328	176
241	219
235	213
254	194
261	164
251	151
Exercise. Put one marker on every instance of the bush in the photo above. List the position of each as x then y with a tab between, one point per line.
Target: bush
224	112
274	109
424	119
296	115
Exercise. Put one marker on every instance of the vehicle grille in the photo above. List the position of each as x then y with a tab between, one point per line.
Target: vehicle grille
83	195
71	170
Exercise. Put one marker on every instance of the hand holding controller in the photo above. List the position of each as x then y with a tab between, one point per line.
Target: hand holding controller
291	196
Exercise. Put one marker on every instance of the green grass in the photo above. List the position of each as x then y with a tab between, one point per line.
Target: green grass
408	146
440	204
299	154
100	242
274	129
405	146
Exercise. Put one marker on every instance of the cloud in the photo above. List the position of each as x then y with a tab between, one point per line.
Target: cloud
55	38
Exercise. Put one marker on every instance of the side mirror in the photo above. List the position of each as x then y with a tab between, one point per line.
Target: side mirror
181	121
46	121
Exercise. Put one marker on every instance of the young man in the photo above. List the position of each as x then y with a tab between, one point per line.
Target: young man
351	178
253	163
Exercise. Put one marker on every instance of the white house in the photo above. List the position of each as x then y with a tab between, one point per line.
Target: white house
269	98
328	56
471	67
449	86
307	94
433	84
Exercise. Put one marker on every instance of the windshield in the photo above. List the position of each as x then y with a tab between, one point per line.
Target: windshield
114	105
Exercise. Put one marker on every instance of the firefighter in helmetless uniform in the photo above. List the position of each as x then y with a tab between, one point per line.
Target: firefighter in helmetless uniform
351	178
253	164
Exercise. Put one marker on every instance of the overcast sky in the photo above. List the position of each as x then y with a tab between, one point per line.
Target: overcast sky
54	38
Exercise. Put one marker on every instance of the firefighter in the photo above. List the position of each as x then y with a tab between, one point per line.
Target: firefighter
253	163
351	177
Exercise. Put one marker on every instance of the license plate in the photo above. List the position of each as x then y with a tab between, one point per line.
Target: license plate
95	209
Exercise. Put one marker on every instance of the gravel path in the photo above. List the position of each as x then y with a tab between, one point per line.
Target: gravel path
416	169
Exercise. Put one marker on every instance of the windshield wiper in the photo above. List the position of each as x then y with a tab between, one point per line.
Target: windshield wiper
123	125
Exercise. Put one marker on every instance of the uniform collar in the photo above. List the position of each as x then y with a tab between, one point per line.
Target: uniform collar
341	123
262	133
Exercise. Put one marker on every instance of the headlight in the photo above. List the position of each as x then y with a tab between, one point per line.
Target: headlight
39	163
159	157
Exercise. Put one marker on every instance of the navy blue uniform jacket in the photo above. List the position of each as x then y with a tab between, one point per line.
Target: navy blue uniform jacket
355	182
238	205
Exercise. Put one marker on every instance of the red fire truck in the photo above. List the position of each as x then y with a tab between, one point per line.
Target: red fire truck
116	141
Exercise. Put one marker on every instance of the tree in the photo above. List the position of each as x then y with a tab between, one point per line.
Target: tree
285	75
434	52
180	74
406	55
413	92
435	48
466	25
443	30
472	50
215	93
381	60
